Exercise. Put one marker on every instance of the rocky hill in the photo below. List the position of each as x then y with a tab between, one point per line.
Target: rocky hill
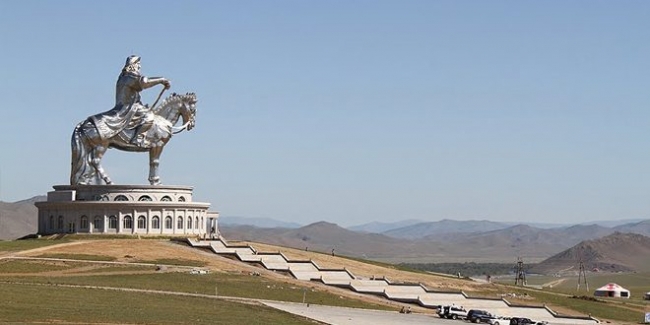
18	219
612	253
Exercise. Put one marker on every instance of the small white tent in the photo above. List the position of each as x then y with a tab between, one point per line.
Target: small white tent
612	290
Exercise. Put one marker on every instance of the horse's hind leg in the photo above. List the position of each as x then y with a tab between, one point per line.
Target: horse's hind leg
96	159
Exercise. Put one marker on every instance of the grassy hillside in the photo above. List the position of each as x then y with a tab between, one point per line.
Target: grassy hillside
85	288
87	281
23	303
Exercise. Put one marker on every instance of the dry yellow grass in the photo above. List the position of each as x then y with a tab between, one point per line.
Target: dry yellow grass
369	270
134	250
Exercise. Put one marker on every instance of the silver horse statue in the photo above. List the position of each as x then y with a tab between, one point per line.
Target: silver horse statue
88	146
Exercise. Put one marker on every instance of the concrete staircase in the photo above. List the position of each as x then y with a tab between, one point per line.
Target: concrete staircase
415	293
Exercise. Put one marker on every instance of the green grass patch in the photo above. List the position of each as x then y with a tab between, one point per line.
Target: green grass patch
562	293
637	283
50	304
30	266
81	257
465	269
235	285
565	294
595	308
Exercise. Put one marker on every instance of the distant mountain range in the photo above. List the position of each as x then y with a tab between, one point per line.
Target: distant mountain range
495	245
322	237
414	228
380	227
257	222
427	229
403	241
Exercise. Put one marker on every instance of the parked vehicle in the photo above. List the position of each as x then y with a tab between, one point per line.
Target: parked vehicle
524	321
440	311
482	316
452	312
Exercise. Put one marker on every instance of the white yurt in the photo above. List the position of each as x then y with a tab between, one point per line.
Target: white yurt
612	290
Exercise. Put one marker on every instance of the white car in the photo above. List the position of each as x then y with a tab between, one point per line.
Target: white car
452	312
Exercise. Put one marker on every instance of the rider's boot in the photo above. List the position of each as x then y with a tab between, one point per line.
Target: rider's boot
139	138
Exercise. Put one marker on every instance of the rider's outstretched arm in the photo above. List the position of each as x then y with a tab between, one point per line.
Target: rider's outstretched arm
148	82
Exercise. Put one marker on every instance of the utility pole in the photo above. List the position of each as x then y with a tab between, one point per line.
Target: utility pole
520	273
582	275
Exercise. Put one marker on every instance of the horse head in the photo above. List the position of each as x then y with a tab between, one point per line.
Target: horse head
188	111
176	106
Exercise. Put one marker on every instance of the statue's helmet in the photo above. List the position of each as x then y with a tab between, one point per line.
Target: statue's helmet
133	59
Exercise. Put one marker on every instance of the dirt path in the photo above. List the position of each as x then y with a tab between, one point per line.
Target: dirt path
554	283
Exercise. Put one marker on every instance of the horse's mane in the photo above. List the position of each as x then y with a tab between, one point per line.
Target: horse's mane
175	98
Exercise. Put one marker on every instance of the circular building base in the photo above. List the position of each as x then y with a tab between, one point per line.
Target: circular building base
165	210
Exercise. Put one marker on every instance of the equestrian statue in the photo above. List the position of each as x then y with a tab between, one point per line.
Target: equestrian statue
129	126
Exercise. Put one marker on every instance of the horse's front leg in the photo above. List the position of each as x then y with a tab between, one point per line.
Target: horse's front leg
96	160
154	162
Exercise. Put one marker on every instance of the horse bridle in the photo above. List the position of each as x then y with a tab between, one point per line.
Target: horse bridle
176	130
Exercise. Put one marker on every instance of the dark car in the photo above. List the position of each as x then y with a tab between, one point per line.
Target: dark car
482	316
524	321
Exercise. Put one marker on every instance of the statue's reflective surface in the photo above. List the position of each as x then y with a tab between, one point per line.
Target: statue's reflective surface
129	126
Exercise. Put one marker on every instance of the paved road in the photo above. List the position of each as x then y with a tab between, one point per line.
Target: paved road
356	316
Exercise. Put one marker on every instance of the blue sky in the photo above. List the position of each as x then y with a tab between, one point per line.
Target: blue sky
350	111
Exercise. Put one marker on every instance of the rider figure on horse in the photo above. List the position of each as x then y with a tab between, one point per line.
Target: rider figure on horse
129	113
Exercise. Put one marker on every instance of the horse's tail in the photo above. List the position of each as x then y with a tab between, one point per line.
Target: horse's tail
80	163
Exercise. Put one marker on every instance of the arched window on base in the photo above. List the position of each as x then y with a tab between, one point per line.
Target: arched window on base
112	222
142	222
128	222
98	223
